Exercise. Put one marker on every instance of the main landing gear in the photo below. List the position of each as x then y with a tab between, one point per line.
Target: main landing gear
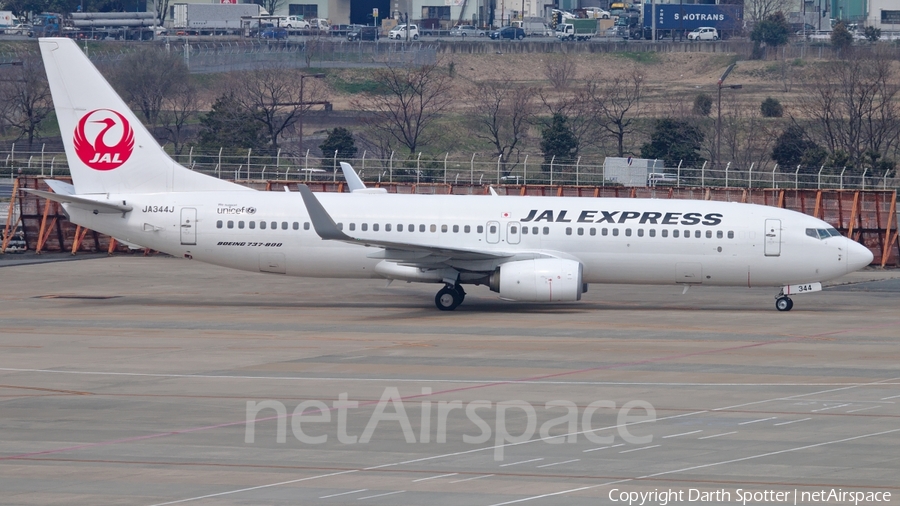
783	302
449	297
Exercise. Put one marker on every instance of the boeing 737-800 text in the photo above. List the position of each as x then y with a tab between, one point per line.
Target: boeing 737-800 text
538	249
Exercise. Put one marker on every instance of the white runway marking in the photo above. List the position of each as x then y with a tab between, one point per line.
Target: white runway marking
434	477
848	387
380	495
792	421
717	435
891	397
760	420
829	407
522	462
639	449
579	489
863	409
682	434
345	493
594	449
473	478
220	494
449	380
559	463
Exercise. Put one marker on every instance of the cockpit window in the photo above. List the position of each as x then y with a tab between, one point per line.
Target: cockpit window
822	233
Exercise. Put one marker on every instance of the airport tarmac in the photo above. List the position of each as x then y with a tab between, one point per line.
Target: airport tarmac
128	380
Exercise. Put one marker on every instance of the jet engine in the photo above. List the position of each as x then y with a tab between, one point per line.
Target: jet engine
539	280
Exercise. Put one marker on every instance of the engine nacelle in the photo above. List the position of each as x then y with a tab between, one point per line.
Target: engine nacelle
540	280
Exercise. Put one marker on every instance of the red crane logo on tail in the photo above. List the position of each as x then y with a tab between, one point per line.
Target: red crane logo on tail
93	134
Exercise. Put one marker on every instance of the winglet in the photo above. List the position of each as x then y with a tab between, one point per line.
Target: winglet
321	220
353	180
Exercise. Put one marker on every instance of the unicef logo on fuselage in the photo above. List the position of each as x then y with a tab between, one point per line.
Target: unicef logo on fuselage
103	139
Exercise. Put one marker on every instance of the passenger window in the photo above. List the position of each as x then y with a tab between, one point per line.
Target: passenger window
709	234
480	229
718	234
467	229
444	229
697	234
252	225
364	227
219	224
240	224
434	228
230	224
512	230
493	229
274	225
687	234
604	231
387	227
352	227
534	231
731	234
640	232
306	225
262	225
665	232
296	226
675	233
580	231
374	227
615	232
455	229
340	226
421	228
627	232
524	230
593	231
568	230
546	230
399	227
284	225
652	232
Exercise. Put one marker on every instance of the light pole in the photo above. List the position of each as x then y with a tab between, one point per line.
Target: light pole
719	109
303	112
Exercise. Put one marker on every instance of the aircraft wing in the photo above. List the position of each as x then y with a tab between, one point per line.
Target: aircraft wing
417	255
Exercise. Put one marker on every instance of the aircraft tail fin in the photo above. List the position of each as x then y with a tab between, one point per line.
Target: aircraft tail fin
107	147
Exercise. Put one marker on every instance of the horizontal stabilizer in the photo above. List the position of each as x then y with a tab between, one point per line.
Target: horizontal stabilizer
82	202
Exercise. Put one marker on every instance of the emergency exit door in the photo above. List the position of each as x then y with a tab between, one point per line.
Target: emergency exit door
773	238
188	226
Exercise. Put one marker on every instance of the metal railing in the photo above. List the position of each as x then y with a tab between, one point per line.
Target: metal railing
474	169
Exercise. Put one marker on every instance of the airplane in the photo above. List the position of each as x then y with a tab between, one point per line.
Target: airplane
526	248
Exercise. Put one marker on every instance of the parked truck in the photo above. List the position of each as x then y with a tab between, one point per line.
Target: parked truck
576	29
6	20
95	25
672	19
215	19
533	27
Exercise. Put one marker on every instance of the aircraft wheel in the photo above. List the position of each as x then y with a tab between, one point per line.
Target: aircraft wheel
784	304
449	298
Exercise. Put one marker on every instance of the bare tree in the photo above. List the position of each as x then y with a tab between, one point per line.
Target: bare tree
617	104
747	137
560	69
26	96
413	99
145	77
502	112
758	10
179	107
853	106
273	94
578	109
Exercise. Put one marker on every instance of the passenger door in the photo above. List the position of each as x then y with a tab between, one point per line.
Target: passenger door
773	238
493	232
512	232
188	226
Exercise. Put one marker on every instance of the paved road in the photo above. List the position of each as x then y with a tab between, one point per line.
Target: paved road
127	381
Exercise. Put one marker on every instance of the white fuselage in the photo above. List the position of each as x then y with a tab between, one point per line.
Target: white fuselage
645	241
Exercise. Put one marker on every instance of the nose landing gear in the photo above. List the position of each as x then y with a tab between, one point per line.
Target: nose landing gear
449	297
783	303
